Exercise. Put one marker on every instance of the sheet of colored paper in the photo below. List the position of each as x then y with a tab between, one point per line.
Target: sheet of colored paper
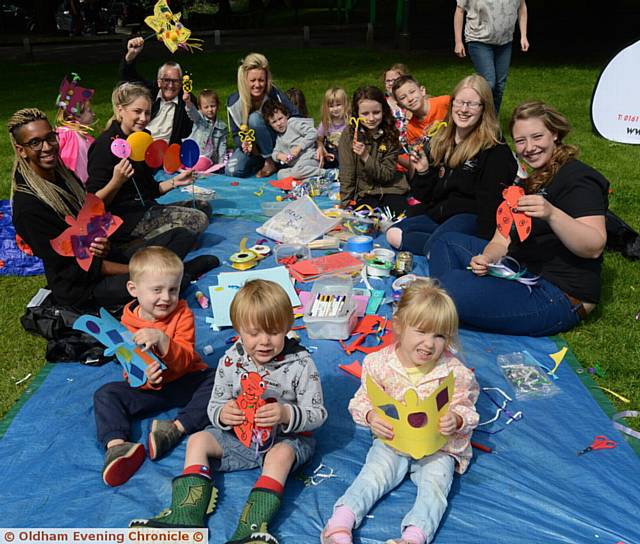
278	274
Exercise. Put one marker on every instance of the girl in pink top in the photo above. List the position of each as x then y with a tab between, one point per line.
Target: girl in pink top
426	328
74	120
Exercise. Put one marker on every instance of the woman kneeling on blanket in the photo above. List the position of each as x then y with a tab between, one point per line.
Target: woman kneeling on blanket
565	201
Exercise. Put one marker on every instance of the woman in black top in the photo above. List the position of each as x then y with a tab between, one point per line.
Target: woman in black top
567	202
460	186
44	192
128	187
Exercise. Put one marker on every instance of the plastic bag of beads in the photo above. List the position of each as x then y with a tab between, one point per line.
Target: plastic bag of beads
526	377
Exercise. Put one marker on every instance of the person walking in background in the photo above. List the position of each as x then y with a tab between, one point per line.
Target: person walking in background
488	33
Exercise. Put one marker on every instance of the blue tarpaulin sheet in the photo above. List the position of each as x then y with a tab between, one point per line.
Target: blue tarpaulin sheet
532	488
14	261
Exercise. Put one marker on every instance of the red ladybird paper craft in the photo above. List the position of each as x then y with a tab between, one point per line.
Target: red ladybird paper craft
250	400
506	216
92	222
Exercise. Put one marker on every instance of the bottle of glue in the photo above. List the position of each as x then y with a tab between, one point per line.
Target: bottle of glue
202	300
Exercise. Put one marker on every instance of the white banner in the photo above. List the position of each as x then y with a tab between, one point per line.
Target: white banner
615	106
132	535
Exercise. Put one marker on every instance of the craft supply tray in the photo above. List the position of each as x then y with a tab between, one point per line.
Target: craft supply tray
331	327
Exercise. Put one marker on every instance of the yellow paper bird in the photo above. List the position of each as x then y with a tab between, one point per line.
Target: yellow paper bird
170	30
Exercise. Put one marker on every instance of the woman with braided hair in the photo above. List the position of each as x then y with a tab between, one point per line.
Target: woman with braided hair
43	193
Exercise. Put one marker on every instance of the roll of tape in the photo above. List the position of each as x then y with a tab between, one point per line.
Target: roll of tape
403	282
244	260
379	268
359	244
261	250
384	254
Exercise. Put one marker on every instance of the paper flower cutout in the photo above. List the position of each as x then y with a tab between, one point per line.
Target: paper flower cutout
92	222
170	30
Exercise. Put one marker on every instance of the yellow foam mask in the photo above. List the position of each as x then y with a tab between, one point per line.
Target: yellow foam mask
169	29
415	422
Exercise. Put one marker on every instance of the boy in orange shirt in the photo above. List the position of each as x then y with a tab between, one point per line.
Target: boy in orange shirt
163	324
425	110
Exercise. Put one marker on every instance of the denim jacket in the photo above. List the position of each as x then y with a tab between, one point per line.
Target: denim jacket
211	137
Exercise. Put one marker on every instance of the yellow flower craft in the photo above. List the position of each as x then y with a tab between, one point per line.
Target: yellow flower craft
170	30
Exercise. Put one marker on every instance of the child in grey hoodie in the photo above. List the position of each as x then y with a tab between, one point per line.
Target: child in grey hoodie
267	390
295	147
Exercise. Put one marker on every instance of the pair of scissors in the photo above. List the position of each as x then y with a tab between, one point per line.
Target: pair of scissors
600	442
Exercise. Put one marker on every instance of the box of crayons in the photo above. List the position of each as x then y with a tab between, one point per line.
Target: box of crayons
330	314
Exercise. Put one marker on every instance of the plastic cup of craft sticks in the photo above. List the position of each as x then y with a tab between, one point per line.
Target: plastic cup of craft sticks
284	252
330	313
272	207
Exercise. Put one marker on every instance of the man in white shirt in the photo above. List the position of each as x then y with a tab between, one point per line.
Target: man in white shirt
169	119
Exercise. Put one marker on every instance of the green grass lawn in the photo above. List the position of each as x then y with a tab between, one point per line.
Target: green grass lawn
610	337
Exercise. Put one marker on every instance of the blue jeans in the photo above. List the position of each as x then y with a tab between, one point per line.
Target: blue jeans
385	469
492	62
495	304
419	232
243	165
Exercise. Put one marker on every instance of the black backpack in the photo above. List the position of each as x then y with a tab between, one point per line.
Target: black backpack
54	322
621	237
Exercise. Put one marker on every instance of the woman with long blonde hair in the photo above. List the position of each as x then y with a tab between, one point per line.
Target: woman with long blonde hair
559	242
244	109
460	183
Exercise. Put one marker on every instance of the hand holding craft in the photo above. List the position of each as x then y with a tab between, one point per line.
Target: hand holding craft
379	426
536	206
480	264
154	373
231	414
100	247
122	171
183	178
271	414
450	423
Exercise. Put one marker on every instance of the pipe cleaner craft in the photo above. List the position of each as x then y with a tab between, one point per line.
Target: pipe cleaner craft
170	30
119	342
247	137
355	123
506	216
187	83
92	222
415	421
250	401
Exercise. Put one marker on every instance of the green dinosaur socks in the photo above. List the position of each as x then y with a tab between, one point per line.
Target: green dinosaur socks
261	506
192	498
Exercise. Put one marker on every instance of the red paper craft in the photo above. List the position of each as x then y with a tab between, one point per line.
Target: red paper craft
355	369
336	263
92	222
286	184
505	216
370	324
249	401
